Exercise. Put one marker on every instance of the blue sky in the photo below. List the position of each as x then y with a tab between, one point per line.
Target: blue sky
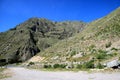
13	12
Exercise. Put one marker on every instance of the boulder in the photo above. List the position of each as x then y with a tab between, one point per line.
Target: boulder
113	64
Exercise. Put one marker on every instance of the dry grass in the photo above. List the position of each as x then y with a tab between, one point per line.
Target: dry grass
4	73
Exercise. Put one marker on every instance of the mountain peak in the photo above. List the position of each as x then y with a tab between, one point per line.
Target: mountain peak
32	36
36	18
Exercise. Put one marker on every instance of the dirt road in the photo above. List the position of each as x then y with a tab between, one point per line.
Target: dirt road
27	74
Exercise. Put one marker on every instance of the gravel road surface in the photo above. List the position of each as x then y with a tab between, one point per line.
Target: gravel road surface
19	73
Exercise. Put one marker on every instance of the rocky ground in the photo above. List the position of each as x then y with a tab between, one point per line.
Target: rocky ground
19	73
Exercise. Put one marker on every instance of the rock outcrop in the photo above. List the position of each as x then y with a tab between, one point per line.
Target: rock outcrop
113	64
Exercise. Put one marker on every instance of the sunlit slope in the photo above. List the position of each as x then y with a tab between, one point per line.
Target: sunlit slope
102	34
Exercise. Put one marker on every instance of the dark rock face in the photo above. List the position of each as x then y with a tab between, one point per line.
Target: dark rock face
29	38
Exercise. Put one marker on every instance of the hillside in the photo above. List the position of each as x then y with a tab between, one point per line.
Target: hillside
97	44
34	35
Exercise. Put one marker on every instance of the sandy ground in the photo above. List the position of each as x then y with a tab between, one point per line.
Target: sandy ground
27	74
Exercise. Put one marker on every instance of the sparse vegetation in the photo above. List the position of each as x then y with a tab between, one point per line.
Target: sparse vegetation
86	65
79	66
99	66
91	47
55	66
89	64
60	43
73	52
1	73
101	56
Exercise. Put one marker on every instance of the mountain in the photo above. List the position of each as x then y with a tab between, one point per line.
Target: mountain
33	36
97	44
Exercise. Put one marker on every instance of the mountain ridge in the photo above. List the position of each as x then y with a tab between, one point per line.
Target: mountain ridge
34	35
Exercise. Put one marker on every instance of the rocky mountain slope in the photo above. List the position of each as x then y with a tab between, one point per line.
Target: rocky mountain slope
33	36
96	45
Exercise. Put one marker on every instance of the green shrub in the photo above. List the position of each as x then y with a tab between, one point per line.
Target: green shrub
79	66
91	47
62	65
89	64
47	66
102	51
56	66
82	38
101	56
112	54
59	66
73	53
93	51
31	63
99	66
108	45
114	49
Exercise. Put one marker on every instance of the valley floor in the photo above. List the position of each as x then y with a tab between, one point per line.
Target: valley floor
19	73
